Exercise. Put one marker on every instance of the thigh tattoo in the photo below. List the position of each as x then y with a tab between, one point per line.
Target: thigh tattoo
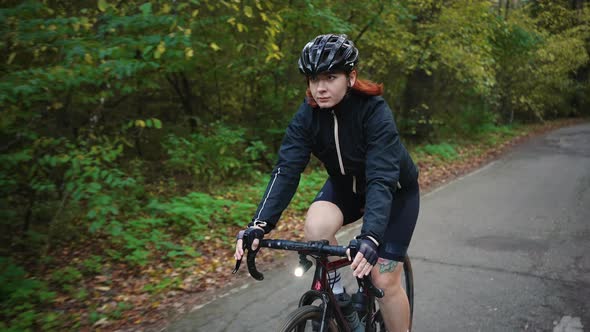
386	265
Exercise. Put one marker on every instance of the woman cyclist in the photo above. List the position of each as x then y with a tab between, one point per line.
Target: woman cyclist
348	126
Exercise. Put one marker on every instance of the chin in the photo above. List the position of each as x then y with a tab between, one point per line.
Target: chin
326	105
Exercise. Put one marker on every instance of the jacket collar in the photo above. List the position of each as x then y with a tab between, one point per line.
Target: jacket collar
344	103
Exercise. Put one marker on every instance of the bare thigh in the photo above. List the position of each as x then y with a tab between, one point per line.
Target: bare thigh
322	222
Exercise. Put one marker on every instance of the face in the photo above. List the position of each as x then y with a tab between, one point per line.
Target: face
328	89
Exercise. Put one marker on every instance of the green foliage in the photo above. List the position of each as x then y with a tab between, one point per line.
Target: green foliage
222	154
555	16
21	298
195	213
459	41
468	121
168	225
162	285
95	316
557	60
119	309
535	67
92	265
493	136
66	275
67	279
443	151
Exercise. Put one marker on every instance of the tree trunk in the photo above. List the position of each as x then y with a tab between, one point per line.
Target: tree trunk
506	109
417	92
577	4
63	120
507	10
188	102
183	89
217	87
29	214
140	130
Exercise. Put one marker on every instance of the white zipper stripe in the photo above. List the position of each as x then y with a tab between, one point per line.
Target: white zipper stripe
354	184
338	143
269	190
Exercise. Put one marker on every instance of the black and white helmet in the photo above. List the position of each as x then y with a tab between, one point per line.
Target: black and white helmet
328	53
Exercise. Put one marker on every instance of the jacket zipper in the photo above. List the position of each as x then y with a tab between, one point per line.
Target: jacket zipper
339	154
338	143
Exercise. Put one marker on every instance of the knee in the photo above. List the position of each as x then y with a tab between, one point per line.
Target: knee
389	282
323	221
312	231
318	230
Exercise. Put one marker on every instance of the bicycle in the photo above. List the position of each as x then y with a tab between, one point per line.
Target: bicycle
326	314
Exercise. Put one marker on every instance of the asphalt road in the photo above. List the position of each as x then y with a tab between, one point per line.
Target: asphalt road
505	248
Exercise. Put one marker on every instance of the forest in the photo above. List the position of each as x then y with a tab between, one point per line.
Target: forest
137	136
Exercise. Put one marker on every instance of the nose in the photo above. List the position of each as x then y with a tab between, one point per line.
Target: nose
321	86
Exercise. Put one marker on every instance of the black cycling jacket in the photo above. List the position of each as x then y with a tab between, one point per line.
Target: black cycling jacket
359	145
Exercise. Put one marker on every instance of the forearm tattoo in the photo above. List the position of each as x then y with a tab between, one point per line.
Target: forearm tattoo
386	265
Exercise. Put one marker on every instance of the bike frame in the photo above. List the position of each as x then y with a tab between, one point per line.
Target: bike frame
320	289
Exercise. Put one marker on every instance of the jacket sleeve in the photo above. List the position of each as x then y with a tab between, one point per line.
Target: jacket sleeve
382	168
293	157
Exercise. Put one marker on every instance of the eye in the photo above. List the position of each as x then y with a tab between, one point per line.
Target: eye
331	77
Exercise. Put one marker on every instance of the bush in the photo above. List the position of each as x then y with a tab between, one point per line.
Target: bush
443	151
211	158
171	228
22	298
468	121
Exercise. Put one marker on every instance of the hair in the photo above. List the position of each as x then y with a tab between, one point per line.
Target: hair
361	86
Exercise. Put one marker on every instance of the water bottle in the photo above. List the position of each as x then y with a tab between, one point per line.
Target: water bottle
347	308
359	303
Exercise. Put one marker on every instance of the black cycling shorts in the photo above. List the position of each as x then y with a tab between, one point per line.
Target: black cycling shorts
403	217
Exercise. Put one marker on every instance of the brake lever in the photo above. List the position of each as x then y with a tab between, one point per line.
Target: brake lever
377	292
353	246
238	263
366	281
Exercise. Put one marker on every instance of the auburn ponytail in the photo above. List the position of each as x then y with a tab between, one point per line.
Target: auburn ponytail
368	88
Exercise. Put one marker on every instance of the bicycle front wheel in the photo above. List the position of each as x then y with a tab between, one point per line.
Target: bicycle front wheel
307	318
408	282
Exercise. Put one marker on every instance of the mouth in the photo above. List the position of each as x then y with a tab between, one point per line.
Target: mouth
323	100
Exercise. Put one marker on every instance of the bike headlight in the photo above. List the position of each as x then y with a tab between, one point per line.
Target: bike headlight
304	265
299	271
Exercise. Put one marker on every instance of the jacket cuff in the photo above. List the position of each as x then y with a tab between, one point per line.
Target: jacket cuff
262	224
369	237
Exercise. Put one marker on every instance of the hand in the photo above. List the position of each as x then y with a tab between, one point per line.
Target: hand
252	236
365	258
